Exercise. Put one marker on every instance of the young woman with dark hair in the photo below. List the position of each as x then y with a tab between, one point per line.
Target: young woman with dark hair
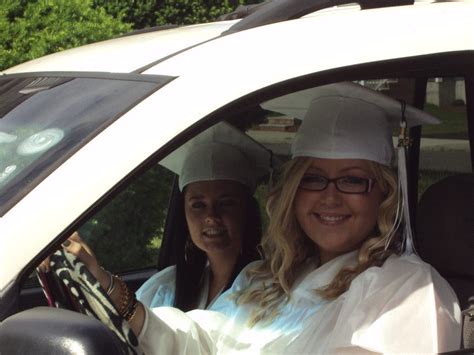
192	262
217	224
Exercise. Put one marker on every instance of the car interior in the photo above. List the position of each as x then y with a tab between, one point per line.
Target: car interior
445	226
131	229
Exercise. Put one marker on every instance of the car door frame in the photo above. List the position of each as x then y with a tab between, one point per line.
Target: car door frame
421	67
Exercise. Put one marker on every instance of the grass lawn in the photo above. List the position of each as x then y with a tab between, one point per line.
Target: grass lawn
453	123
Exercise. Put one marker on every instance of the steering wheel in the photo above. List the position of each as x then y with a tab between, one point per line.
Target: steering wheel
73	286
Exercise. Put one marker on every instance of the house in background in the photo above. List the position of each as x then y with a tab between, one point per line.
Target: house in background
445	92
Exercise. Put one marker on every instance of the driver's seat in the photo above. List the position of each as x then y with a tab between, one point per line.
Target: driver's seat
445	239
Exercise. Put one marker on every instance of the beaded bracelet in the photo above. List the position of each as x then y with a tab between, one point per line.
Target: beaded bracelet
125	297
128	302
132	310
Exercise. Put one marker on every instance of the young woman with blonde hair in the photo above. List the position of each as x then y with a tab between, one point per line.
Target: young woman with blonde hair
289	254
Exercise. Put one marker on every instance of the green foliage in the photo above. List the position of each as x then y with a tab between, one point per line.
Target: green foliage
149	13
140	13
33	28
126	233
183	12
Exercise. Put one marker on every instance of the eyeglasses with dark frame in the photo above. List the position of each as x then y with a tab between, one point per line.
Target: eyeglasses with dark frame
344	184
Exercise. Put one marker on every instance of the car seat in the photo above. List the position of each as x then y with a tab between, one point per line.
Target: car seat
445	239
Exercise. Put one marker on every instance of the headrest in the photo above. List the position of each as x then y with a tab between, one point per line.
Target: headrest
445	225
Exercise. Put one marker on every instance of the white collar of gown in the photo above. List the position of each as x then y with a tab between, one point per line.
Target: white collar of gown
204	290
315	277
312	278
303	303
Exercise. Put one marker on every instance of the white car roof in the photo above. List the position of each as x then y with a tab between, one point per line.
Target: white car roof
424	28
332	39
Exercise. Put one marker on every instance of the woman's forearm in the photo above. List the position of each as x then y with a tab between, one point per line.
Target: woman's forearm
136	323
138	317
122	298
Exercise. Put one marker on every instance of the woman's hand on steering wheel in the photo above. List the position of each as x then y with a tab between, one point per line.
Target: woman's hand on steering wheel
76	246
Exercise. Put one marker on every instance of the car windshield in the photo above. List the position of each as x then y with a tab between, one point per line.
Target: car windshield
44	119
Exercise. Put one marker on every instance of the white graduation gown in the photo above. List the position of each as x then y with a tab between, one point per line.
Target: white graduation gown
159	290
402	307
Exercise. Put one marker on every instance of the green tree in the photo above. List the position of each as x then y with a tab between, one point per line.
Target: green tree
140	13
192	11
127	233
33	28
148	13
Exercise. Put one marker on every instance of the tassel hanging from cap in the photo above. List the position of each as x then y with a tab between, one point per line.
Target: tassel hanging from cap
403	144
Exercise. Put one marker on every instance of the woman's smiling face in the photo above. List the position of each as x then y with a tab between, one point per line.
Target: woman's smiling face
215	215
335	221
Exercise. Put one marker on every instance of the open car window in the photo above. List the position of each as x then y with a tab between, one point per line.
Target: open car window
445	148
128	232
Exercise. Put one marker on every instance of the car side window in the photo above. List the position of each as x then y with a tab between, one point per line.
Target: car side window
126	234
444	147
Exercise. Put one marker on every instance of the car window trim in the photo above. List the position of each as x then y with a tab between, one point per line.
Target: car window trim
152	78
469	88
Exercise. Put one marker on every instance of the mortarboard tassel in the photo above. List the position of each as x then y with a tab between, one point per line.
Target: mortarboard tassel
403	143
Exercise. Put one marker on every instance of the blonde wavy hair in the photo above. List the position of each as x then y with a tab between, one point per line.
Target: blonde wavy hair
286	247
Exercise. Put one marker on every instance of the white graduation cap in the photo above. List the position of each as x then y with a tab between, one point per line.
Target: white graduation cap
222	152
348	121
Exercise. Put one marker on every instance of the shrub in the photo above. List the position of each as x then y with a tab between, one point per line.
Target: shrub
33	28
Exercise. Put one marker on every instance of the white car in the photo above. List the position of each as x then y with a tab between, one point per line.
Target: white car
82	132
